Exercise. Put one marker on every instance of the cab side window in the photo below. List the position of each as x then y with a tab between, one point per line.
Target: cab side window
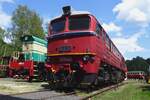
107	41
103	34
98	29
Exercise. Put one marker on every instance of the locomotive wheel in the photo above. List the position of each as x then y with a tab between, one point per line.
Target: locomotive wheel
30	79
10	73
96	82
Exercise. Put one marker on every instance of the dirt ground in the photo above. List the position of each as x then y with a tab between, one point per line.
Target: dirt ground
12	86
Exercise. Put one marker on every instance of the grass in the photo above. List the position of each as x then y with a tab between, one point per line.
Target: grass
134	90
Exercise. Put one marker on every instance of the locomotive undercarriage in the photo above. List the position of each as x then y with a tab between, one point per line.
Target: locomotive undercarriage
37	72
69	79
21	73
79	78
109	74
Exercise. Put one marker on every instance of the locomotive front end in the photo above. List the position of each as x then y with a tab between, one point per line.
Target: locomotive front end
71	53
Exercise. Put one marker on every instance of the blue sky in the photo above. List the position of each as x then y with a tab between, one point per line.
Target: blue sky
126	21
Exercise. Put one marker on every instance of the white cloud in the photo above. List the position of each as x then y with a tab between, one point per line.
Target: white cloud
137	11
129	44
46	22
111	27
5	18
137	15
9	1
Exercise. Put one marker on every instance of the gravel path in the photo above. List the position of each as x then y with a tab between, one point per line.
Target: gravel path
9	87
44	95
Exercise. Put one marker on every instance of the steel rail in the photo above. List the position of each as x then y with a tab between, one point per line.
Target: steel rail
95	93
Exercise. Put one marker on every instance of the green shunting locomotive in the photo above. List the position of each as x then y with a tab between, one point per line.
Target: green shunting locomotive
30	63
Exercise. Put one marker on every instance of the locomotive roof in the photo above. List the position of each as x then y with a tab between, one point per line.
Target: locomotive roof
27	38
74	13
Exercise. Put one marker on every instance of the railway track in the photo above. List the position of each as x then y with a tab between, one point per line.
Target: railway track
63	95
106	89
53	95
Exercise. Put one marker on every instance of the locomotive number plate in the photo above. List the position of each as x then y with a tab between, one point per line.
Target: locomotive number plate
64	48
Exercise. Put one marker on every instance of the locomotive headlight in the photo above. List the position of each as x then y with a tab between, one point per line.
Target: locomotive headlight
86	58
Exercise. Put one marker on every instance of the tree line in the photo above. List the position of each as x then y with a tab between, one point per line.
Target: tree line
138	64
24	21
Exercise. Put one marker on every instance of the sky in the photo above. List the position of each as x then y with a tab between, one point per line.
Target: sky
127	22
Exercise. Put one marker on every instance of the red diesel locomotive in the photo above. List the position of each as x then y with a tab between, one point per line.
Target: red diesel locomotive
80	52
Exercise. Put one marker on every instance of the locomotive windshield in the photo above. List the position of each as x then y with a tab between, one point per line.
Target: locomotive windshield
58	25
74	23
79	22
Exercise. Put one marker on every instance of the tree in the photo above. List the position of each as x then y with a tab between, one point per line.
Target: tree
2	44
2	33
5	49
148	60
25	21
137	64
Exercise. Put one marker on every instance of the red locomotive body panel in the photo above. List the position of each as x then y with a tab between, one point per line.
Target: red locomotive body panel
19	66
75	53
14	65
88	48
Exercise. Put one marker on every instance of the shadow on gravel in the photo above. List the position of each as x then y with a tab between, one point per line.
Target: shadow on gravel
46	86
60	89
70	90
23	80
8	97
